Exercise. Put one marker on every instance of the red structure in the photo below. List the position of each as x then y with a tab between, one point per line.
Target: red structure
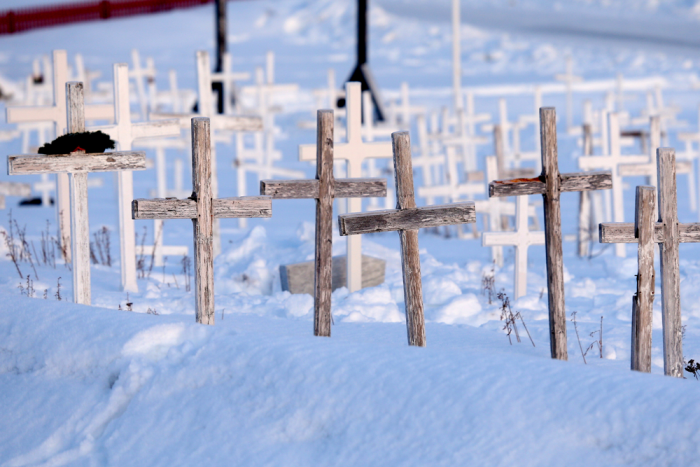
25	19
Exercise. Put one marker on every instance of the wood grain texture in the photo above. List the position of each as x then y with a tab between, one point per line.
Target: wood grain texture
670	273
643	300
298	278
323	252
553	234
308	189
407	219
624	232
102	162
581	181
170	208
219	122
15	189
410	256
203	222
637	170
80	223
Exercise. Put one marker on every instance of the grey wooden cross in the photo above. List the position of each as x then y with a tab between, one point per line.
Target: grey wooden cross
407	219
78	165
324	189
202	208
550	184
668	233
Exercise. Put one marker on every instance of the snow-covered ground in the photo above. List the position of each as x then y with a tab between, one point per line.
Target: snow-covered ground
103	386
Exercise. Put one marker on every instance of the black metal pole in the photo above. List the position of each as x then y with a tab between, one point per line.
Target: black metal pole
221	31
361	32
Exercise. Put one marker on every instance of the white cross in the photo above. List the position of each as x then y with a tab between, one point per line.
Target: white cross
138	73
521	239
613	163
56	113
355	151
428	161
569	78
13	189
228	77
453	190
370	130
124	133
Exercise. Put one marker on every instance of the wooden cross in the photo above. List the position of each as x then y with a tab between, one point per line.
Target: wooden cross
124	133
77	164
668	233
613	162
550	184
13	189
56	113
202	207
407	219
521	239
324	189
355	151
569	78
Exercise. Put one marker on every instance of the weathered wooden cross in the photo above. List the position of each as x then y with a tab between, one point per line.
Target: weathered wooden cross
56	113
124	133
550	184
78	165
355	151
202	208
668	233
407	219
324	189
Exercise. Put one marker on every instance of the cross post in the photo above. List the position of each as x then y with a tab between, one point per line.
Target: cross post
407	219
77	164
324	189
202	208
550	184
668	233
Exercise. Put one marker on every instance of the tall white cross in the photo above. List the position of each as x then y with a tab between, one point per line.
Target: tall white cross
355	151
228	77
456	55
139	74
521	239
569	78
613	162
124	133
56	113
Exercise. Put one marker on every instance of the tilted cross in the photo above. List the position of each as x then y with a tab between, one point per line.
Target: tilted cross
355	151
668	233
13	189
78	165
202	207
124	133
407	219
614	162
324	189
56	113
550	184
521	239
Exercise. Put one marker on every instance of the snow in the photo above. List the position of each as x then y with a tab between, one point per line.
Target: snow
105	386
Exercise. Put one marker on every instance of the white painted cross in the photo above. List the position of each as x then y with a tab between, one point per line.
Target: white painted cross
569	78
78	164
139	74
355	151
13	189
229	77
521	239
124	133
56	113
613	162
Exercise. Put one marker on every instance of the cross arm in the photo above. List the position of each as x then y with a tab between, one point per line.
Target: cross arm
407	219
156	128
608	162
15	189
170	208
68	163
623	232
634	170
344	188
218	122
582	181
30	114
512	238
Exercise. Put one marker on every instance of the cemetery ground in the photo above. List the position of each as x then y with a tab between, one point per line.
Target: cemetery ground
133	380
